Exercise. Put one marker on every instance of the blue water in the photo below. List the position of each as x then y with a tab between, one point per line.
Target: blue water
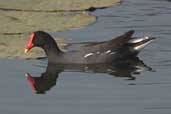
89	93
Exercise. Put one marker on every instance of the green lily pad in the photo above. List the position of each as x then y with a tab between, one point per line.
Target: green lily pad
22	22
55	5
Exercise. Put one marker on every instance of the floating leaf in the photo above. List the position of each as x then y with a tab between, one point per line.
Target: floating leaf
22	22
55	5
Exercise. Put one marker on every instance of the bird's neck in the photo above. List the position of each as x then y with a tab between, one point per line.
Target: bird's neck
51	49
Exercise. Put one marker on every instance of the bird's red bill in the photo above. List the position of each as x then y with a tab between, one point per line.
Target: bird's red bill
31	81
29	44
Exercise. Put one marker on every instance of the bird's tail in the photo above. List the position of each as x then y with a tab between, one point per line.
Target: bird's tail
137	44
134	46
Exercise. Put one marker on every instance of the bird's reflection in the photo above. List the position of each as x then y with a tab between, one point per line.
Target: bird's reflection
127	68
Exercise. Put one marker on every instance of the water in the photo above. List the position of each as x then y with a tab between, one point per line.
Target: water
78	92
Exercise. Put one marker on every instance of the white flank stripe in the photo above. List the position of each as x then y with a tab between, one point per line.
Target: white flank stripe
89	54
98	52
112	53
108	51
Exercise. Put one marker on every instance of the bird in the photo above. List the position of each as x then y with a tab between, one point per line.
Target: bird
104	52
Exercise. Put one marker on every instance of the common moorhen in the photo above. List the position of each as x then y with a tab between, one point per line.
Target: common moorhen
121	47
